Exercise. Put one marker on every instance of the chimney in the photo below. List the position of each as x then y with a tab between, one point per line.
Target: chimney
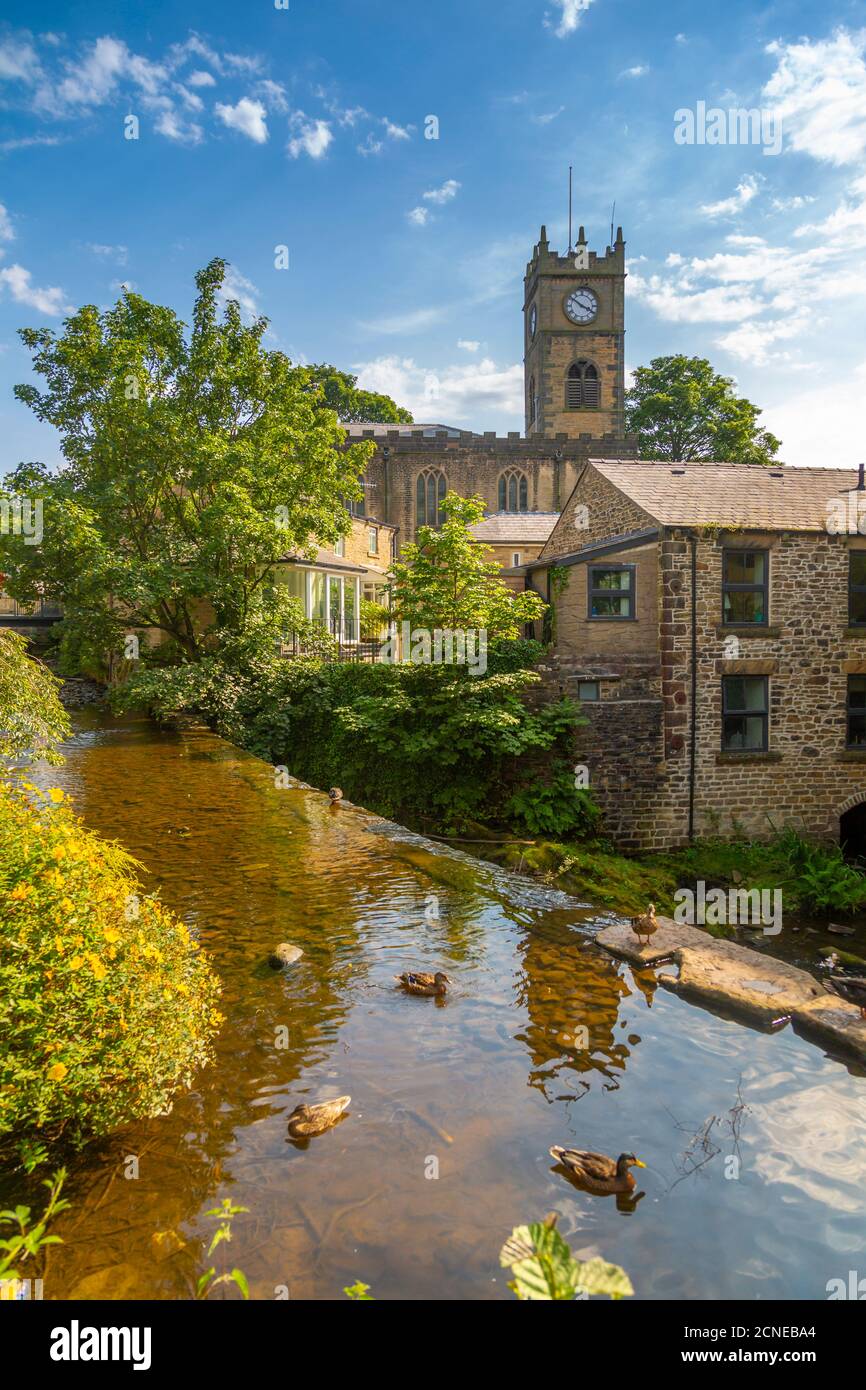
861	482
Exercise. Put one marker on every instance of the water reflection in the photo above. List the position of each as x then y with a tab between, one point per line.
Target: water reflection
455	1103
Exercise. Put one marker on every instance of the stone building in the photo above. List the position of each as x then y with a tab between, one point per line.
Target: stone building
712	619
574	387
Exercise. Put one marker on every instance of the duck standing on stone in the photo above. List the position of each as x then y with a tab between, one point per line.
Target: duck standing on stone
646	925
335	795
418	982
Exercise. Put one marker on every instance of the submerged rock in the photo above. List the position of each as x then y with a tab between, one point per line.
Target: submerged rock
284	954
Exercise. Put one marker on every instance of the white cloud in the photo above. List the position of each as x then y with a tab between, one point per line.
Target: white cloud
411	322
639	70
819	92
396	132
247	117
119	254
172	125
468	344
46	301
237	286
747	189
823	425
444	194
546	117
752	342
570	12
273	94
7	231
313	137
200	78
418	216
19	61
793	204
677	301
464	393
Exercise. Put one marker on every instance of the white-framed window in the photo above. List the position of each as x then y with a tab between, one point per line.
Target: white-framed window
340	547
515	559
373	540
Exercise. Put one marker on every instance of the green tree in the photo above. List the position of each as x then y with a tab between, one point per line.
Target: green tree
342	394
446	579
32	719
680	408
194	459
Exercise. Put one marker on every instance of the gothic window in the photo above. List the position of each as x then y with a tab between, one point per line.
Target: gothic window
513	491
430	490
582	389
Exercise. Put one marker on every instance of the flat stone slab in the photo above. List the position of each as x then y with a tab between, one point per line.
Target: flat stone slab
727	975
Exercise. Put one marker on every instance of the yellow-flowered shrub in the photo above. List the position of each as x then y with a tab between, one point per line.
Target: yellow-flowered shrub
107	1005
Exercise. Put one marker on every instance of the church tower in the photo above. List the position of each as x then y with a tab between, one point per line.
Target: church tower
574	335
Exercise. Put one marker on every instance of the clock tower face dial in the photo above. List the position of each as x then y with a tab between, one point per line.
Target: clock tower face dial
533	320
581	306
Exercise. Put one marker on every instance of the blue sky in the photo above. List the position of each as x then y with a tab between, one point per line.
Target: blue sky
261	127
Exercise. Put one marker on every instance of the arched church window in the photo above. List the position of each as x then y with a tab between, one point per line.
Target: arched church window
430	489
582	389
513	491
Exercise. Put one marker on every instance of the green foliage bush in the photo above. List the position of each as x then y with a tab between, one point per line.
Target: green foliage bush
826	882
554	807
425	744
106	1004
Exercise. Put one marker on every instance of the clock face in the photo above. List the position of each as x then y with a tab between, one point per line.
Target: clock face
581	306
533	320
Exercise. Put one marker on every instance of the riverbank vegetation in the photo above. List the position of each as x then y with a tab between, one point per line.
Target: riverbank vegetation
814	878
432	746
106	1004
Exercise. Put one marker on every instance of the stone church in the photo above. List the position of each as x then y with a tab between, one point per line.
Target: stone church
574	391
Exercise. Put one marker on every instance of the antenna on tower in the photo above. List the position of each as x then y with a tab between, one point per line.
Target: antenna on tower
612	220
569	209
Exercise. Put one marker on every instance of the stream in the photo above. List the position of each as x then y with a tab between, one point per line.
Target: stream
455	1102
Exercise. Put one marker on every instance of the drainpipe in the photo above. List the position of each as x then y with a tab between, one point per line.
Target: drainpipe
693	722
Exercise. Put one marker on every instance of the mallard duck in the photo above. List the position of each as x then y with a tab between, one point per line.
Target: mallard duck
315	1119
418	982
645	925
596	1172
850	987
335	794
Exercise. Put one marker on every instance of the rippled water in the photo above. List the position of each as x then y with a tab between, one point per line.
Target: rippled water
483	1082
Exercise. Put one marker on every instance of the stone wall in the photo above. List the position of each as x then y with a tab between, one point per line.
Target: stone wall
807	777
473	464
638	745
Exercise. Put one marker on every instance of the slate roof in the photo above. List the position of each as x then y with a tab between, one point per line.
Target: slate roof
356	428
521	528
732	494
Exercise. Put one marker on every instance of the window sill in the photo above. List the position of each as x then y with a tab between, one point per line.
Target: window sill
749	630
855	631
752	756
852	755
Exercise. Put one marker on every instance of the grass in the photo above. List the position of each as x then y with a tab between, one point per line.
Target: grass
814	878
